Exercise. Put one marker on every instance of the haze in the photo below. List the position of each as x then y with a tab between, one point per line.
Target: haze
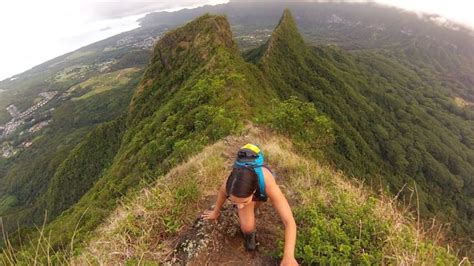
36	31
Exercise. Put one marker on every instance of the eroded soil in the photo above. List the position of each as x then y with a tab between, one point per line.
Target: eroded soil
221	243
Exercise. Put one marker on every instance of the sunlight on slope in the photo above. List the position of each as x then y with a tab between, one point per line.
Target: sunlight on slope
105	82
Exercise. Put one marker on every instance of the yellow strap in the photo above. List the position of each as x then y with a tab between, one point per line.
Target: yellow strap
251	147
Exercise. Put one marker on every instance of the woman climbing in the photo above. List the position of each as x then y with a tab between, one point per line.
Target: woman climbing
249	184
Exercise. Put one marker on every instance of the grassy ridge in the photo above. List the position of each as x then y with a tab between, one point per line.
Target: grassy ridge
176	110
198	89
339	221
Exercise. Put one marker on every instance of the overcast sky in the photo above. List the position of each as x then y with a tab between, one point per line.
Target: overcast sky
34	31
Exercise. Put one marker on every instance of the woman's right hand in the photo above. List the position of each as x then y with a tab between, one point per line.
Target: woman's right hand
210	215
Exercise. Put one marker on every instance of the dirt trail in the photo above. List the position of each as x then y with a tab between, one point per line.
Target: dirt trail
221	243
207	243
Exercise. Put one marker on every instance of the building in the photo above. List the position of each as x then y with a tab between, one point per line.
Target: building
13	111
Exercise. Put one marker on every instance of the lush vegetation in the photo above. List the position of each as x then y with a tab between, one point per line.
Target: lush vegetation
27	175
391	125
83	166
339	221
191	94
302	122
379	115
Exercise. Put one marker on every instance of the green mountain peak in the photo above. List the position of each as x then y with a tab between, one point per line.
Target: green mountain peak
286	18
200	36
285	37
176	56
282	56
198	90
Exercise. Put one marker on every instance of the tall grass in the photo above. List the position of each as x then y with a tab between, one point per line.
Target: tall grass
37	251
339	219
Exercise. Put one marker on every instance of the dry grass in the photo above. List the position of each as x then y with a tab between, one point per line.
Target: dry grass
144	228
461	102
35	252
409	242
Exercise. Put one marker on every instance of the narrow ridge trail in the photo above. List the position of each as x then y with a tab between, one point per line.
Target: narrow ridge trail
221	243
161	225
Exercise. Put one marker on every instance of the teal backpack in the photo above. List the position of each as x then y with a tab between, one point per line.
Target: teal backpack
250	156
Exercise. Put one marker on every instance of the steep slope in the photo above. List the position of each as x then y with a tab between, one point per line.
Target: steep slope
83	167
440	56
29	173
339	221
283	51
293	68
194	92
198	89
391	126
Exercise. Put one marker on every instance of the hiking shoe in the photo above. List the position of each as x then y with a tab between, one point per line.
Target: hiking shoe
249	241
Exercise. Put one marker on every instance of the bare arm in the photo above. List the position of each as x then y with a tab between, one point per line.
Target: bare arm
214	214
221	196
283	208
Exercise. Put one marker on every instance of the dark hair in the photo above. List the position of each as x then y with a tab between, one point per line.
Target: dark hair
242	182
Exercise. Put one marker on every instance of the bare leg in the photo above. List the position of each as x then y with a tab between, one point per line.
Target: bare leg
247	225
247	218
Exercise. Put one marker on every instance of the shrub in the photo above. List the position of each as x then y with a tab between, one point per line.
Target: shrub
302	122
343	233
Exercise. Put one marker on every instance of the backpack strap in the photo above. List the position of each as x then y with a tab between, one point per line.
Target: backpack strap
261	182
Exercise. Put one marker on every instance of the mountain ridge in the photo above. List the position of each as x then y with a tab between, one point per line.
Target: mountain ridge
148	218
191	96
173	113
172	52
337	82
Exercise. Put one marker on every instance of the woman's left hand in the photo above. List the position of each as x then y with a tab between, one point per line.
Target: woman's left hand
288	261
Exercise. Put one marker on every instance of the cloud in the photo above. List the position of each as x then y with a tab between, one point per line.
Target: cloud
36	31
459	11
110	10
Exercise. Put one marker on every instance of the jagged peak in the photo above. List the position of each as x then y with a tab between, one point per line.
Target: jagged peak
286	19
200	36
285	34
213	25
180	52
